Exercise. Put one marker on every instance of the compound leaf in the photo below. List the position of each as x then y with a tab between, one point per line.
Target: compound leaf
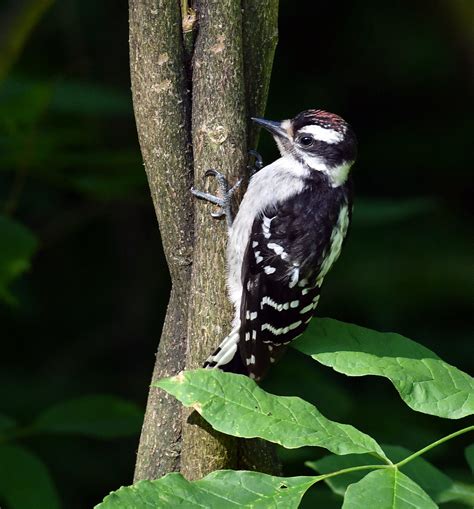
437	485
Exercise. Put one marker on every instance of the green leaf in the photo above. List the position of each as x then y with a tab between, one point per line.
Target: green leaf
17	246
437	485
222	489
24	480
425	382
96	416
469	454
458	492
236	405
386	489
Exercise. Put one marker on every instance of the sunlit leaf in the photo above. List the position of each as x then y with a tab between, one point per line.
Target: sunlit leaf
221	489
25	481
236	405
96	416
387	489
425	382
17	246
437	485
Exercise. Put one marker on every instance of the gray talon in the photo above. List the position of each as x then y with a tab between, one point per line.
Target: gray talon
225	203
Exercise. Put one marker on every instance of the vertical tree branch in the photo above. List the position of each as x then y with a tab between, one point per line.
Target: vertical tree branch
219	141
260	37
222	91
161	105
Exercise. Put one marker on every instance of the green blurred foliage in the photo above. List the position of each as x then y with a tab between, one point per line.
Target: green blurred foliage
25	481
18	246
83	279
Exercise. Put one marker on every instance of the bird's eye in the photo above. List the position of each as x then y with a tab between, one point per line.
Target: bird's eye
306	141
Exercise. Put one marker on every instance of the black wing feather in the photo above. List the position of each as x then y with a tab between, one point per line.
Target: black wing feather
286	241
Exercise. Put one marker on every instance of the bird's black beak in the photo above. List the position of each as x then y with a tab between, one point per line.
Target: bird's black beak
274	127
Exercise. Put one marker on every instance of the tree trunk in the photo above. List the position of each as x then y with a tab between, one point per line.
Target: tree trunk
162	112
231	64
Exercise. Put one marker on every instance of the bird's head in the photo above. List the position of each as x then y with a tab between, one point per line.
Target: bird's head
320	140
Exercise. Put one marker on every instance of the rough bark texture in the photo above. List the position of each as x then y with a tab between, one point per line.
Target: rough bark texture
161	105
260	36
219	141
225	93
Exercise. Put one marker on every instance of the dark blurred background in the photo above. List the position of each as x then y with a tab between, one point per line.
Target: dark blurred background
83	281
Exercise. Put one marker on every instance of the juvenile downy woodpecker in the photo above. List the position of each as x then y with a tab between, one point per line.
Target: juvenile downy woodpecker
287	234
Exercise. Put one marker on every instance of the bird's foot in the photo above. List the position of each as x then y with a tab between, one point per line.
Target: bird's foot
224	201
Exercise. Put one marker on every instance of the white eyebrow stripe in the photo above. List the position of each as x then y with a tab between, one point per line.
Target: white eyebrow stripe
322	134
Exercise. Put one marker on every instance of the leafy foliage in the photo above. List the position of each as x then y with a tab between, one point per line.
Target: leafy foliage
67	135
435	483
99	416
18	464
387	489
17	246
234	404
225	488
469	452
425	382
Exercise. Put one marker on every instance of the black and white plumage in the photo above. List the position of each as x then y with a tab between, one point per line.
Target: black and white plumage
287	234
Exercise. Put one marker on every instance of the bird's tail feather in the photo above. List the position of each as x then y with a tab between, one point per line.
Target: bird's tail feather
226	356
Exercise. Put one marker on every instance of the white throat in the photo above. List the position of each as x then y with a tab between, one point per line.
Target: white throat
337	174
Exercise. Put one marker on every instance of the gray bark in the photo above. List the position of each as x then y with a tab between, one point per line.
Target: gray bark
260	36
225	93
219	141
161	105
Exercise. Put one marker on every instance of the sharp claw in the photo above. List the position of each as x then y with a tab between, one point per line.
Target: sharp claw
225	201
211	173
221	180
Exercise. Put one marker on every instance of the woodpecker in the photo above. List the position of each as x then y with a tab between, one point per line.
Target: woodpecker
287	234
